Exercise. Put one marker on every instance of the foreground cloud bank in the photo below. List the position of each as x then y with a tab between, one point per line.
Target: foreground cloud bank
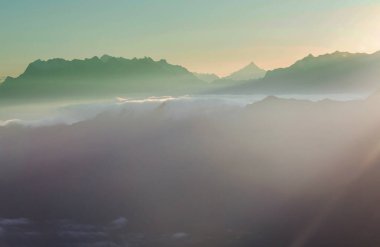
205	173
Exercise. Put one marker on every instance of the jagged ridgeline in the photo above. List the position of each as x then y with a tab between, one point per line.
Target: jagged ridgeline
98	78
339	72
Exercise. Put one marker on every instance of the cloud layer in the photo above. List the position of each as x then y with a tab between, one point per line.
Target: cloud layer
185	173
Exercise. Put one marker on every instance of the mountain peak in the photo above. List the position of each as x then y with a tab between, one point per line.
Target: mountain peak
252	64
250	71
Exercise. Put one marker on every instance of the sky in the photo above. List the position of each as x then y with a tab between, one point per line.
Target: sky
213	36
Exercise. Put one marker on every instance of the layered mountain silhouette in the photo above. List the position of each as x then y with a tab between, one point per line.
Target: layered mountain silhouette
98	77
339	72
107	76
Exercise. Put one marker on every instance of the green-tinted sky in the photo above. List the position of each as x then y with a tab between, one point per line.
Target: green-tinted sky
205	36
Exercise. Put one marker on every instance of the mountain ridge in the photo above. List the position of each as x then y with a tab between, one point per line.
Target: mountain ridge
95	76
338	72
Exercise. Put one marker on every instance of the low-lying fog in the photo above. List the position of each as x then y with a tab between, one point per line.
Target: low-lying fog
69	112
192	171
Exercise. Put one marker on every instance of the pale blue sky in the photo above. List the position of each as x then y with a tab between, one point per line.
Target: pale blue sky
216	36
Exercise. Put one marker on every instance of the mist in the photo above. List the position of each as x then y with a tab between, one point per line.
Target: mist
190	172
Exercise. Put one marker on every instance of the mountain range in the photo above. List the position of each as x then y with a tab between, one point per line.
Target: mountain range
99	77
338	72
107	76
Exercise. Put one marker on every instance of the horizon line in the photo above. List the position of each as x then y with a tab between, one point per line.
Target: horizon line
4	77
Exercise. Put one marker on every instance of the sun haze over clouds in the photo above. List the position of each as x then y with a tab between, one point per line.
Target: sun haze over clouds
217	36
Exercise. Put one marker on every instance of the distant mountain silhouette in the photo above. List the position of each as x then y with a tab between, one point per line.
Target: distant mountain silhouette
206	77
236	79
108	76
98	77
339	72
249	72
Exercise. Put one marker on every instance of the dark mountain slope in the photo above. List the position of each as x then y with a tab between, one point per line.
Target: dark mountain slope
98	77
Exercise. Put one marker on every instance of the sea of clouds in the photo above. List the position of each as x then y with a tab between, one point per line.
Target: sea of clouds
190	172
71	113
